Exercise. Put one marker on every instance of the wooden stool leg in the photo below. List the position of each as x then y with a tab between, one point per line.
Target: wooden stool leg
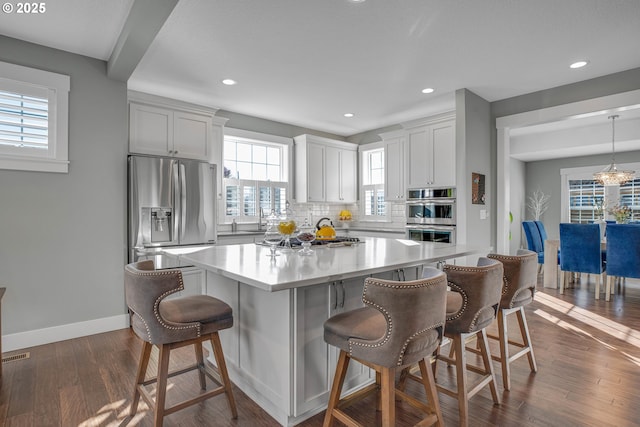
458	342
142	371
379	392
429	382
503	337
526	338
161	390
598	286
402	381
387	395
200	361
336	388
222	369
488	366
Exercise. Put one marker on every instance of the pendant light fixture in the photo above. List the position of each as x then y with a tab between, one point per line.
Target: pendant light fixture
611	175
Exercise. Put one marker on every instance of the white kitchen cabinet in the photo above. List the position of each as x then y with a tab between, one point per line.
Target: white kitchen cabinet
163	131
194	281
318	360
394	168
326	170
430	155
240	238
340	168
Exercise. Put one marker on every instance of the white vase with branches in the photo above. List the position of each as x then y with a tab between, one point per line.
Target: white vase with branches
538	203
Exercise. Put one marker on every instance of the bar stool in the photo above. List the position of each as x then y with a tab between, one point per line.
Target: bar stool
171	324
400	325
472	305
518	290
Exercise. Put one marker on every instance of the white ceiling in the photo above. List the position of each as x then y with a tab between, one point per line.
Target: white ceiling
306	62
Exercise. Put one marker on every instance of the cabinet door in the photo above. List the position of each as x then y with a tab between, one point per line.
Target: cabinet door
313	369
315	173
194	281
150	130
192	135
443	155
394	170
346	296
348	178
332	174
316	360
419	158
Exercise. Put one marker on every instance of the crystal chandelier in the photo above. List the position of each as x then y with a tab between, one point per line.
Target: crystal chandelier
611	175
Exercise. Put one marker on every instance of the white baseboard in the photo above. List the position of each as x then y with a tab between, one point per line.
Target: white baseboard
36	337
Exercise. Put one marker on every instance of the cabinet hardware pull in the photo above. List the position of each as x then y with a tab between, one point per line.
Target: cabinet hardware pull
334	293
343	293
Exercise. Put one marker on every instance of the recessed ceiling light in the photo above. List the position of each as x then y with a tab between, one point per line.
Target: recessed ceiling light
357	1
428	90
349	115
578	64
229	82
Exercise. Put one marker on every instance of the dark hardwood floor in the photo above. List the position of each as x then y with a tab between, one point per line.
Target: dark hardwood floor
588	355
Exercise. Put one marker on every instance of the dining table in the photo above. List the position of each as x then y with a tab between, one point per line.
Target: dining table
550	265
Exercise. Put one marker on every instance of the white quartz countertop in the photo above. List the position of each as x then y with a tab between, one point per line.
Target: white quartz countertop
251	264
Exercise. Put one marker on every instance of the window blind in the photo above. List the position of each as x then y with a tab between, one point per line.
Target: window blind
24	121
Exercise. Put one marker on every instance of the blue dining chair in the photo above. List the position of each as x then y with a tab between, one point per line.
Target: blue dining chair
581	253
543	237
534	240
623	252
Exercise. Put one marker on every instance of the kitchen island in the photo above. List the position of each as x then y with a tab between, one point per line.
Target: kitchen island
275	351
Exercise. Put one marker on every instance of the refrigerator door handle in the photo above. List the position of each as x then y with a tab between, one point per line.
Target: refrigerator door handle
177	219
183	200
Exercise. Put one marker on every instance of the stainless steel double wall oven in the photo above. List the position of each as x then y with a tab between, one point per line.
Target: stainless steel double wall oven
431	215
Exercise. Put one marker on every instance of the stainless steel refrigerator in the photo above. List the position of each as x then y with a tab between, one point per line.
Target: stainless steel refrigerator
171	204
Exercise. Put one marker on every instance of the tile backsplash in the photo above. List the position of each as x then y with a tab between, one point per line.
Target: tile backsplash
315	211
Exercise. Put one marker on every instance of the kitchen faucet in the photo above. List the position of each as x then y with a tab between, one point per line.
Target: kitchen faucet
260	217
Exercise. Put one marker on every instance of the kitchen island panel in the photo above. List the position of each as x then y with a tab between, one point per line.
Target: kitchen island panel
315	359
276	351
257	346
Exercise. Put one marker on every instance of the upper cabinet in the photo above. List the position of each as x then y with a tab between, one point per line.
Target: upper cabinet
394	166
325	170
430	155
157	127
418	156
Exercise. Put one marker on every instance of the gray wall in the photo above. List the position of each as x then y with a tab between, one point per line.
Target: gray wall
517	203
270	127
474	154
623	81
549	178
546	176
62	236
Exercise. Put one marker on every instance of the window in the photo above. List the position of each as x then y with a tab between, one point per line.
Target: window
584	196
255	175
374	207
581	195
33	119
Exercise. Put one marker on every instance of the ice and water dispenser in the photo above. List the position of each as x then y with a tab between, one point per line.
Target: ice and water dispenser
157	225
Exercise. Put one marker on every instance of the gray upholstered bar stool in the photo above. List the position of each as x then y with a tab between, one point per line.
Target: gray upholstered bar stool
400	325
472	305
171	324
518	290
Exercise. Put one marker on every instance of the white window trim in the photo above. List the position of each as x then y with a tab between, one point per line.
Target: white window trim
57	87
586	172
363	149
261	138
